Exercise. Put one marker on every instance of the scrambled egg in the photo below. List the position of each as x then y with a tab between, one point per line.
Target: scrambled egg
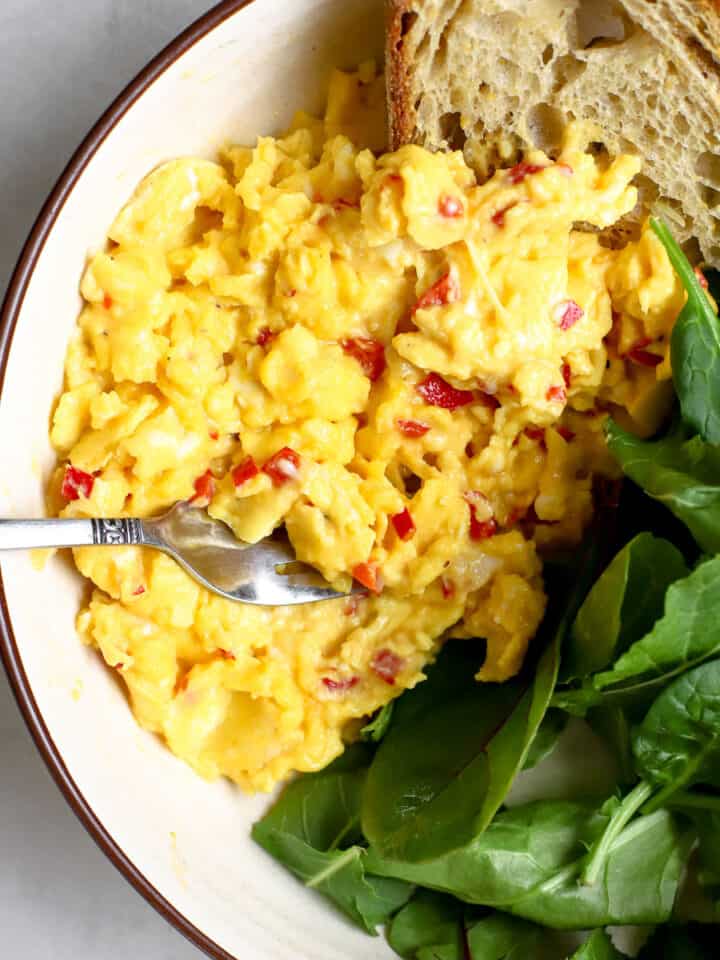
406	368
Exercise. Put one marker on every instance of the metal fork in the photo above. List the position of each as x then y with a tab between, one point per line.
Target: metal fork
265	573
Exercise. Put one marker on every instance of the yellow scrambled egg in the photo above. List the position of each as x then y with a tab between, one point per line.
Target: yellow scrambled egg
406	368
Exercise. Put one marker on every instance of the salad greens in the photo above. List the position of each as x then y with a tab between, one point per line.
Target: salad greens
414	827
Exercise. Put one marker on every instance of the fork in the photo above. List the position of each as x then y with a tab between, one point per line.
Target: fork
266	573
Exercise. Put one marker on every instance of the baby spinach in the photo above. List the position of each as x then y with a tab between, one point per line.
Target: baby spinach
694	346
428	920
623	605
455	745
678	743
598	946
545	740
682	473
313	829
376	729
529	860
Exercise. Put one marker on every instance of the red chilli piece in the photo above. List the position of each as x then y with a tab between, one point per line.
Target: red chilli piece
213	434
139	591
643	357
387	664
340	686
108	300
370	354
244	471
566	433
225	654
701	278
265	336
498	218
521	170
76	484
447	587
443	291
568	313
481	529
566	374
535	433
282	466
450	207
412	428
439	393
204	489
556	394
368	574
404	524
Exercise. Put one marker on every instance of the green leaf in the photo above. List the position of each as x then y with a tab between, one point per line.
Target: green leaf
620	814
528	862
623	605
598	946
501	937
687	634
681	473
314	828
681	943
694	346
429	919
546	739
611	722
455	745
376	729
678	743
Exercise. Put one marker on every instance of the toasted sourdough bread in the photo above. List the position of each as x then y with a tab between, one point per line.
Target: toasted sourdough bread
495	76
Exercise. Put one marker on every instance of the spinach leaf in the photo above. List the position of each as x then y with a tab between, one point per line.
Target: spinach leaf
545	740
598	946
429	919
681	943
529	860
681	473
694	347
500	937
687	634
612	723
678	743
376	729
455	745
623	605
313	829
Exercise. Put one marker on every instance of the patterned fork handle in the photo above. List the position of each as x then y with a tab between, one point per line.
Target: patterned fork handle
33	534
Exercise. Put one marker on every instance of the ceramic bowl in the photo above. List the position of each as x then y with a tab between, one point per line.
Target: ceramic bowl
240	71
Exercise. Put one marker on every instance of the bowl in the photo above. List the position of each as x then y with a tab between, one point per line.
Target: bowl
240	71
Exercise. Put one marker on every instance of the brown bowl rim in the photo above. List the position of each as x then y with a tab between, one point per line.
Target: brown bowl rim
9	316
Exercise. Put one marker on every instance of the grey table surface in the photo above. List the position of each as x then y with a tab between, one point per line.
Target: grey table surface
61	64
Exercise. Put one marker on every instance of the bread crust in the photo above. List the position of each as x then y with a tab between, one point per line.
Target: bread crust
401	115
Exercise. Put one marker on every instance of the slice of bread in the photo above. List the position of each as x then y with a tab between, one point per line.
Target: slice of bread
495	76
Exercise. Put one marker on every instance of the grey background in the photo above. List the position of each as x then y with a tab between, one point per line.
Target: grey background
61	64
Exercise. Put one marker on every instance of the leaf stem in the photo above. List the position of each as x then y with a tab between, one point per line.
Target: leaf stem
616	824
695	801
352	853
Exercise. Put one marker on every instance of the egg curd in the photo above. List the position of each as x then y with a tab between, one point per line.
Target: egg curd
406	368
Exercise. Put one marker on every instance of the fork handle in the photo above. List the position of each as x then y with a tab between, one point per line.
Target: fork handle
33	534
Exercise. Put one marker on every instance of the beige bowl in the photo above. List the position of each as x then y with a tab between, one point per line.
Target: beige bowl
240	71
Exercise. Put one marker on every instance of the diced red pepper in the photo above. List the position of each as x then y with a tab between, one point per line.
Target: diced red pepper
481	529
139	591
535	433
702	279
225	654
387	664
447	587
439	393
370	354
213	434
282	466
566	374
340	686
443	291
265	336
291	293
368	574
244	471
521	170
556	393
76	483
108	301
450	207
404	524
204	489
568	313
644	357
393	178
412	428
498	218
566	433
